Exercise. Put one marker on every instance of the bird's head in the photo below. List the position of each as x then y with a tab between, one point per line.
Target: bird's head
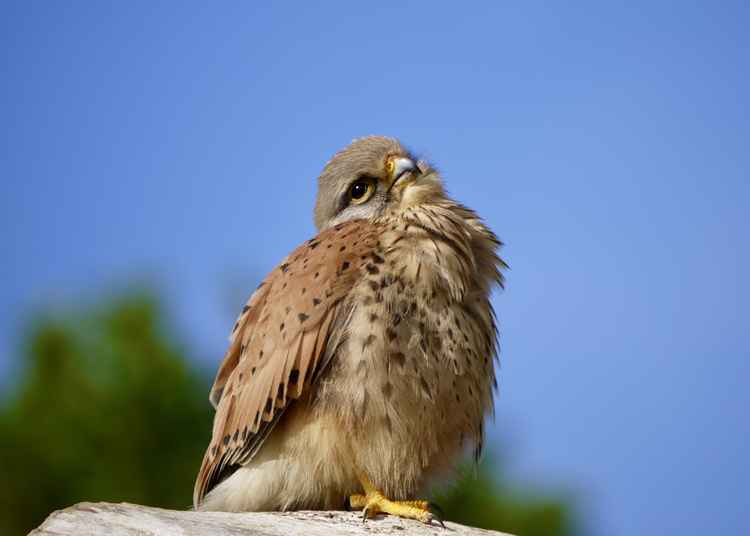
372	177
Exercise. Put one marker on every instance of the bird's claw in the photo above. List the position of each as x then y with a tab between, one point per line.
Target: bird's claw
426	512
435	513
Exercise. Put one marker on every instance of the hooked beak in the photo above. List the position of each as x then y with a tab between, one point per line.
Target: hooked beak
399	168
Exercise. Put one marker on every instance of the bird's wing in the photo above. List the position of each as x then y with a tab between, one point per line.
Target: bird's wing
280	344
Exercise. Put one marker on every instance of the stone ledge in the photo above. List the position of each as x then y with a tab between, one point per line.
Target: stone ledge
130	519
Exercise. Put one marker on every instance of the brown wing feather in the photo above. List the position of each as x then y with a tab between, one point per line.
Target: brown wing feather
280	344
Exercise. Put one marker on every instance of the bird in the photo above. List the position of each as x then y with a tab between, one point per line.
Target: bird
363	366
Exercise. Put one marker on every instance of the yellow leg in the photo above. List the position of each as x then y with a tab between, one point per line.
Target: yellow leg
373	502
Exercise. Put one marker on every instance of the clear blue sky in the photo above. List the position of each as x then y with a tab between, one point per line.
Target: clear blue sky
607	145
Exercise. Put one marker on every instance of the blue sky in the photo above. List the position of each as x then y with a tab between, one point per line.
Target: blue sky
606	144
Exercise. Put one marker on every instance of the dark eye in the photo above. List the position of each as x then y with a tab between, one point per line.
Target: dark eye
361	190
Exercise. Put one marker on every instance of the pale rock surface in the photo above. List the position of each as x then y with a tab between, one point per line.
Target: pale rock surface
130	519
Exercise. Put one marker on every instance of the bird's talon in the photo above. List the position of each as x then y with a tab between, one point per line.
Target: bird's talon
436	513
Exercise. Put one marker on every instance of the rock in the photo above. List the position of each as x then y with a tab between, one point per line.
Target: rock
131	519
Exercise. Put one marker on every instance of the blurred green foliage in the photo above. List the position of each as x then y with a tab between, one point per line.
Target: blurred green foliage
107	407
480	498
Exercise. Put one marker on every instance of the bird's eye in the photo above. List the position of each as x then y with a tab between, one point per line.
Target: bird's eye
361	190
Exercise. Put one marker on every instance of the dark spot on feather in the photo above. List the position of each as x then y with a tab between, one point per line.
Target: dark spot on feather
304	290
281	327
316	301
368	341
287	309
373	317
269	405
372	269
213	450
252	371
344	266
313	244
396	319
236	435
294	376
280	393
260	285
245	308
236	325
387	389
391	334
302	317
257	418
373	285
342	248
225	440
398	358
284	267
317	274
425	386
377	258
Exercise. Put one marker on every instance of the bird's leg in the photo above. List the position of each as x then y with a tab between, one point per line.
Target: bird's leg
373	502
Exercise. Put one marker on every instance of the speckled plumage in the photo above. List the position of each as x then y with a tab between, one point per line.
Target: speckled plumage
370	349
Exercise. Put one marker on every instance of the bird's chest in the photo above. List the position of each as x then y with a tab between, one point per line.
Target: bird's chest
406	368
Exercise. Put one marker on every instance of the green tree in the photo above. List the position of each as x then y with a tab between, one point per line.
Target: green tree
481	498
108	408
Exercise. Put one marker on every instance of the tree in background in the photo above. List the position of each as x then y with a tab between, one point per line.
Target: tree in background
106	409
109	408
480	498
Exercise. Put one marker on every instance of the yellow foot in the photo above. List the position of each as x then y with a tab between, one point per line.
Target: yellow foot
374	503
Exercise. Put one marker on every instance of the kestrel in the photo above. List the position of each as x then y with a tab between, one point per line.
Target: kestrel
363	365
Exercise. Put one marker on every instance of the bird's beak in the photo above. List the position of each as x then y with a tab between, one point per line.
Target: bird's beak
400	169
